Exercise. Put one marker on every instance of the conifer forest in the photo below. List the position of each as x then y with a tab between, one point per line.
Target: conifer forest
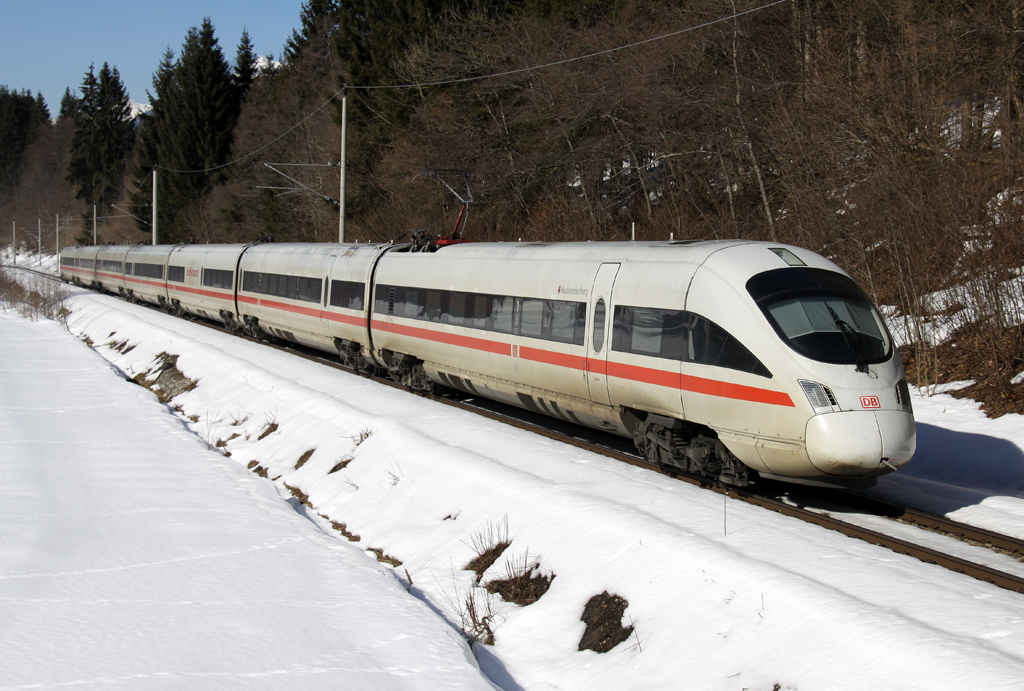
887	135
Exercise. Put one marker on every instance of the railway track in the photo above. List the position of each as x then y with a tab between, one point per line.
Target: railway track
789	502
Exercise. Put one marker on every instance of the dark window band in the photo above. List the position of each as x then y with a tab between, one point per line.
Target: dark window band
562	321
301	288
680	335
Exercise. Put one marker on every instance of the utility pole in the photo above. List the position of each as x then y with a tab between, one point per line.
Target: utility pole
57	241
154	205
341	195
94	224
39	238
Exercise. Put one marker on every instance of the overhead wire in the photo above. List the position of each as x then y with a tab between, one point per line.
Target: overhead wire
463	80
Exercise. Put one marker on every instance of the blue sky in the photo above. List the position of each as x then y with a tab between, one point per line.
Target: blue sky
47	45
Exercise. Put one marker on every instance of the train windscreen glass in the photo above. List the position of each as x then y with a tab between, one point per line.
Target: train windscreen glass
822	315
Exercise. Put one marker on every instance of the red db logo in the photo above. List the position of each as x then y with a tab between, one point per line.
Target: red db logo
870	402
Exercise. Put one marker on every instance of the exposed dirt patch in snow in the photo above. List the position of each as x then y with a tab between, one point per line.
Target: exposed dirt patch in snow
603	617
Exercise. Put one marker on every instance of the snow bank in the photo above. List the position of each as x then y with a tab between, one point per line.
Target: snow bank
722	595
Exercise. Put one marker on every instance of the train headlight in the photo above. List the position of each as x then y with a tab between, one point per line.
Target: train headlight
903	396
821	398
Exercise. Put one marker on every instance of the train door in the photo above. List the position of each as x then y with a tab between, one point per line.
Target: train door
326	327
599	336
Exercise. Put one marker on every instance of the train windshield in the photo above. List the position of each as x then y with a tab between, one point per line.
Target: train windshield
822	315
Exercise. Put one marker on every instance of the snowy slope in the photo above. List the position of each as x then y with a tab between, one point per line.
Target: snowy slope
721	594
133	558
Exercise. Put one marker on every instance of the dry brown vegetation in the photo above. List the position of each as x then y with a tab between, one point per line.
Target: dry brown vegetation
488	544
522	583
165	379
33	299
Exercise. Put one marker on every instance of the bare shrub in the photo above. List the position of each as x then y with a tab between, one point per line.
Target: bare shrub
476	617
488	544
363	435
34	297
268	429
522	584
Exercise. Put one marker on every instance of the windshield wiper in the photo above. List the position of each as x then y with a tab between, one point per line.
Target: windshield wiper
852	338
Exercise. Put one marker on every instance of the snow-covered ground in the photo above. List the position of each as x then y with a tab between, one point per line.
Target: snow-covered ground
141	554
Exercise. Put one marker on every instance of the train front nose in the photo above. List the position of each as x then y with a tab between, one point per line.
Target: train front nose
857	442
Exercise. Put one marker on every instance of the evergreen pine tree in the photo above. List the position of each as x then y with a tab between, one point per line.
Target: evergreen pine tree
21	115
245	67
188	134
318	18
104	134
68	105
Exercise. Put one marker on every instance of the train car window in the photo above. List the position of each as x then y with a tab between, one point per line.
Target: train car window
67	261
128	269
349	294
435	307
301	288
710	344
565	321
678	335
415	303
176	274
457	308
645	336
310	288
481	311
822	315
380	299
598	338
501	313
531	318
212	278
111	265
149	270
85	263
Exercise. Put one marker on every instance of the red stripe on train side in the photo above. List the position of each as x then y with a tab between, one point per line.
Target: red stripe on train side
151	284
551	357
345	318
710	387
440	337
306	311
647	375
738	392
227	297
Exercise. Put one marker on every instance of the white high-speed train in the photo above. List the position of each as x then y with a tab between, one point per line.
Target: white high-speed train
716	357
